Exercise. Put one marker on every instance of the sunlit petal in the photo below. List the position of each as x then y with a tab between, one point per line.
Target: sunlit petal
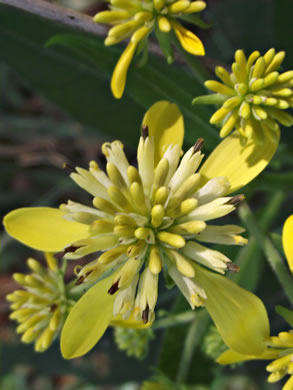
88	320
239	315
239	163
287	238
165	123
43	228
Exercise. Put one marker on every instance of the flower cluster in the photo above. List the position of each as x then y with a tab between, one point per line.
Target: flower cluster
41	306
148	219
254	96
279	349
137	19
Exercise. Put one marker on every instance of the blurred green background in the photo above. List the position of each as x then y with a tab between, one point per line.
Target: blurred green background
56	106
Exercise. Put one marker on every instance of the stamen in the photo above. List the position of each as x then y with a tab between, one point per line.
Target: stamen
145	131
236	200
145	314
69	249
68	168
114	288
198	145
233	267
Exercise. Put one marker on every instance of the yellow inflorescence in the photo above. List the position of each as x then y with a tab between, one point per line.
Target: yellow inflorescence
40	307
255	96
148	218
283	364
137	19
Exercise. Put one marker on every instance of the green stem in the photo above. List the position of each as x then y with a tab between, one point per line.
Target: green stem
174	320
274	258
194	335
251	251
198	70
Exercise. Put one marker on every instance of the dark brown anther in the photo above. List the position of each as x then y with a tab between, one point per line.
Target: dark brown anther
80	280
145	314
236	200
114	288
68	168
70	249
53	307
233	267
198	145
145	131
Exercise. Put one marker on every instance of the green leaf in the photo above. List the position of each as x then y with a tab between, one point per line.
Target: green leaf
286	314
196	20
78	80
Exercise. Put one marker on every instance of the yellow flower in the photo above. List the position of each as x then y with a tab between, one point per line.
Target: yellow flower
148	218
287	238
253	96
279	348
41	306
137	19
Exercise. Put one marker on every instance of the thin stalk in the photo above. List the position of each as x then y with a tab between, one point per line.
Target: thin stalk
275	260
174	320
194	335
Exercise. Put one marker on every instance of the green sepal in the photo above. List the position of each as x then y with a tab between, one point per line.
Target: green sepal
196	20
169	282
165	44
286	314
215	98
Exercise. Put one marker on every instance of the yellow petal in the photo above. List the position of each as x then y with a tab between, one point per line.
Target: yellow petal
43	228
88	320
131	322
166	125
230	356
120	72
237	162
287	238
189	41
239	315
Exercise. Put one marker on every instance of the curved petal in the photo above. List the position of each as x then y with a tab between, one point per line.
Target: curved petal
189	41
166	125
118	80
88	320
43	228
131	322
237	162
287	238
230	356
239	315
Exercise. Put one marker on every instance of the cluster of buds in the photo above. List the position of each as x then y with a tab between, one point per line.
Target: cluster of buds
134	342
40	308
253	96
137	19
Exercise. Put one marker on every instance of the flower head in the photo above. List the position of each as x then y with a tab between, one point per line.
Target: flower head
41	306
146	219
255	96
137	19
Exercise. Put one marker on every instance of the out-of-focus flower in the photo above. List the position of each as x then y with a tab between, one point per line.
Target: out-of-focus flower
146	219
279	350
134	342
41	306
254	96
287	238
137	19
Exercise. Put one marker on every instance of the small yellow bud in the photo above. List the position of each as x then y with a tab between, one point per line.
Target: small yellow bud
171	239
158	214
164	24
219	87
219	115
104	205
112	254
161	195
155	262
195	6
178	6
111	16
